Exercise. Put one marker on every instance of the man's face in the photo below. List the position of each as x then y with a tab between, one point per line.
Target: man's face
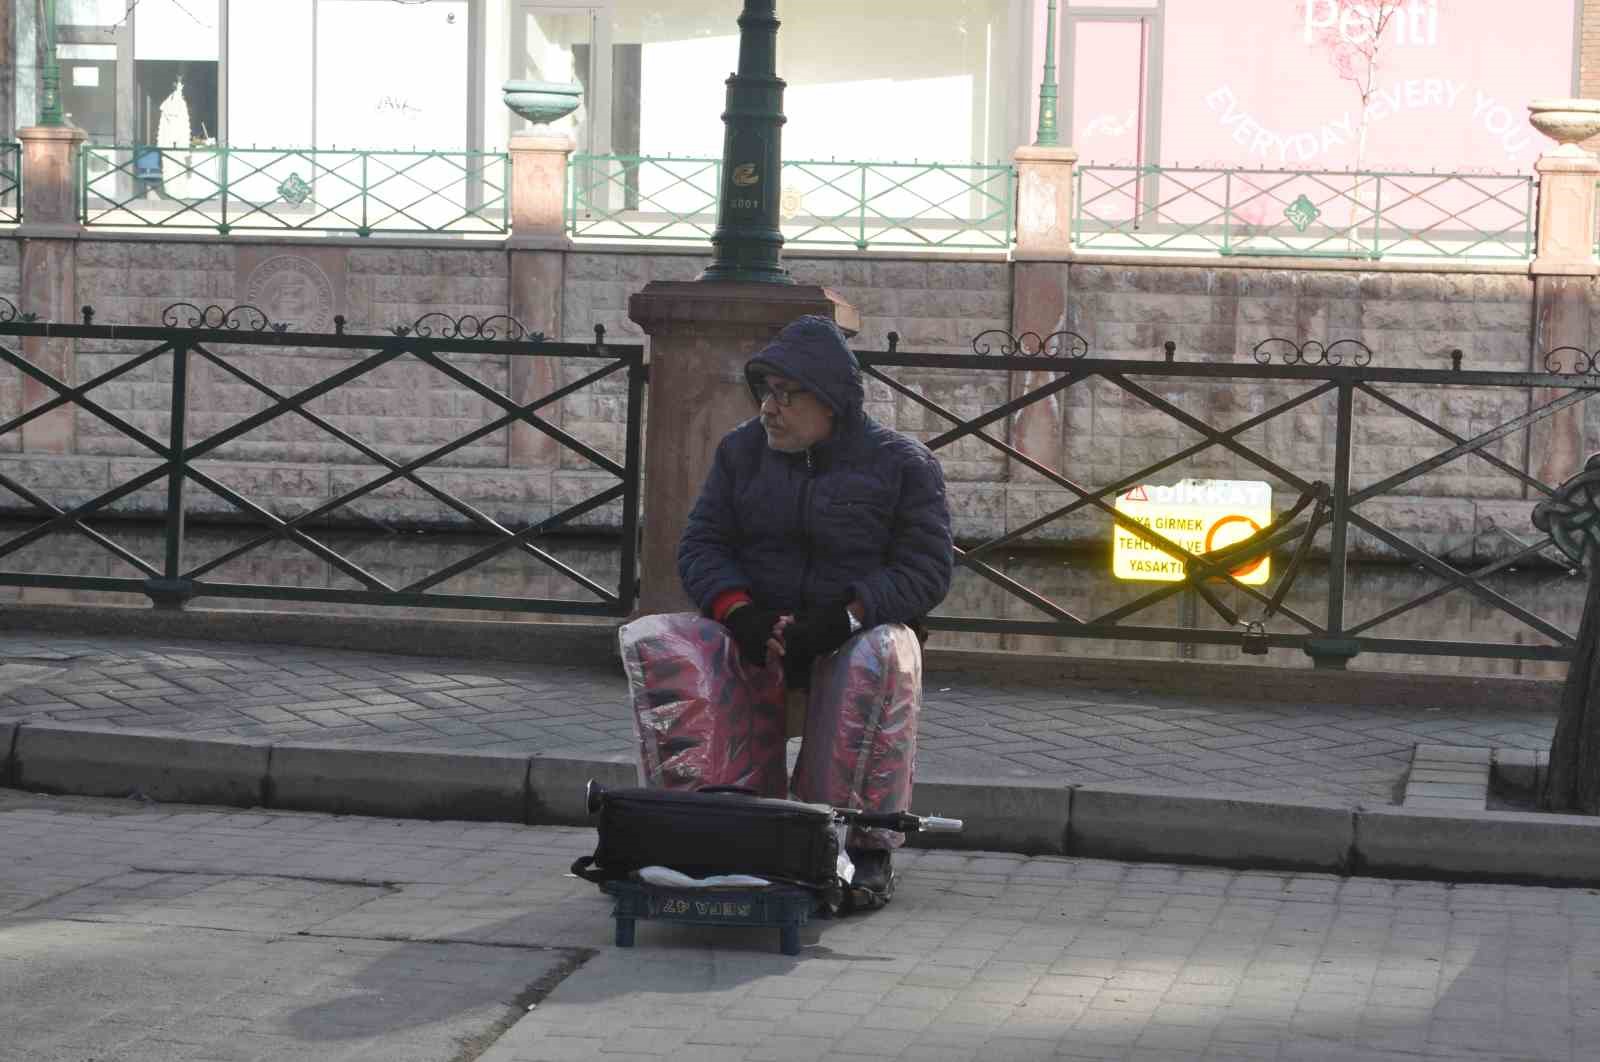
795	419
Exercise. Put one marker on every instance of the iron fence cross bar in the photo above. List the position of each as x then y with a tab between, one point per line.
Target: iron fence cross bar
1210	433
66	395
1439	591
1421	234
67	516
109	544
281	530
445	497
1460	579
1142	475
520	538
1407	411
389	352
76	395
1532	416
483	390
415	463
1150	535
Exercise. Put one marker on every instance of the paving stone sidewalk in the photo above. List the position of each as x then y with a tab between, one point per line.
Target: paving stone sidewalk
138	933
988	728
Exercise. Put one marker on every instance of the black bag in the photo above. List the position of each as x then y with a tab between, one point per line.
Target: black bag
707	832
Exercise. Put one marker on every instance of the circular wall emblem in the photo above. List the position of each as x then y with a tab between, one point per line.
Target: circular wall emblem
292	290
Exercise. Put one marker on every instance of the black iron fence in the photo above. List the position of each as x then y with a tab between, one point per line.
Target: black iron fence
1314	391
1322	402
156	369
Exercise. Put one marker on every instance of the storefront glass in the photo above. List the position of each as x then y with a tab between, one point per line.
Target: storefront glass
1288	84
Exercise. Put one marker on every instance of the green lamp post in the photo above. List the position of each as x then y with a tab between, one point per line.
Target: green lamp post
50	73
1046	135
747	241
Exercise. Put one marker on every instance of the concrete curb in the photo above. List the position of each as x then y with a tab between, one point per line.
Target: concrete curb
594	645
1118	822
86	761
398	782
1025	816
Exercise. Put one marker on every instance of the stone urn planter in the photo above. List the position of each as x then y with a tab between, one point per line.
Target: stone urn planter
1569	122
541	102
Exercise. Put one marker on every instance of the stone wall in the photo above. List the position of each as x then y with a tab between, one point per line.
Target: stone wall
1096	433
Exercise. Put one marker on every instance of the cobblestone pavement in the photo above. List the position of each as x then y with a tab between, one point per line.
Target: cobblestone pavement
984	728
407	936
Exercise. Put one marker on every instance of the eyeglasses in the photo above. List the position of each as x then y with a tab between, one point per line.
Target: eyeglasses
780	394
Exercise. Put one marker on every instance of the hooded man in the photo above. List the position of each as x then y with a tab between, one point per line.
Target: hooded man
816	525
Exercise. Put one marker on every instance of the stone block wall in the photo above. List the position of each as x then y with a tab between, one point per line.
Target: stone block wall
1094	432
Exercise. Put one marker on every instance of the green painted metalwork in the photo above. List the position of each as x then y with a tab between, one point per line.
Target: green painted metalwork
50	71
747	244
193	447
227	189
10	182
1046	135
1304	213
832	203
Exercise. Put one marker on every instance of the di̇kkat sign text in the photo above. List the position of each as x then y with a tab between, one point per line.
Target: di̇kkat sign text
1199	515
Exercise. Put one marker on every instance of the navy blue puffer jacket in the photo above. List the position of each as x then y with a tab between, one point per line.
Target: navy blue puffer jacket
862	514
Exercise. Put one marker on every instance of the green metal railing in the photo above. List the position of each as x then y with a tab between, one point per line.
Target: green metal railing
10	183
930	205
1304	213
229	189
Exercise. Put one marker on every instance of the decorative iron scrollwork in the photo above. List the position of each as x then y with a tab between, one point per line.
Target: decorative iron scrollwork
1313	352
9	313
1571	516
467	326
1583	362
241	318
1031	344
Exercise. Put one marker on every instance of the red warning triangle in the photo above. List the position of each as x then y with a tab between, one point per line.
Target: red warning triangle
1136	494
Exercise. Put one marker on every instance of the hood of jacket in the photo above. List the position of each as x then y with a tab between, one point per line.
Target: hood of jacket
812	352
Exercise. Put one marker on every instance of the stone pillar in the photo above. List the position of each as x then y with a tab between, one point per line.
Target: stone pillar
539	191
1044	202
48	282
701	334
1564	270
536	270
1038	284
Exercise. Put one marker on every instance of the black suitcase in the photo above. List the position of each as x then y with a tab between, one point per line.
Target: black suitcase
707	832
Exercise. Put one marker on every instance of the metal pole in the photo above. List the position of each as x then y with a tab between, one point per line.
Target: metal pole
747	240
50	72
1046	134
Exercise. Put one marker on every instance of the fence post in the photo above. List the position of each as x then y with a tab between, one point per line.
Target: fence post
1044	201
172	590
1335	650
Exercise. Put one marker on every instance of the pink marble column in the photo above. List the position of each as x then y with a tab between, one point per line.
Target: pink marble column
539	191
536	283
538	248
48	282
1044	202
701	334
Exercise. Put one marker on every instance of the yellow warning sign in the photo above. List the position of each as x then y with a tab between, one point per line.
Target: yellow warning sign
1198	514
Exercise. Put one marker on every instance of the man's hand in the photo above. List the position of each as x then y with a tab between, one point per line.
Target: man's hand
753	630
817	632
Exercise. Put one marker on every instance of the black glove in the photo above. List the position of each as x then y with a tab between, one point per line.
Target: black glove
817	632
751	627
